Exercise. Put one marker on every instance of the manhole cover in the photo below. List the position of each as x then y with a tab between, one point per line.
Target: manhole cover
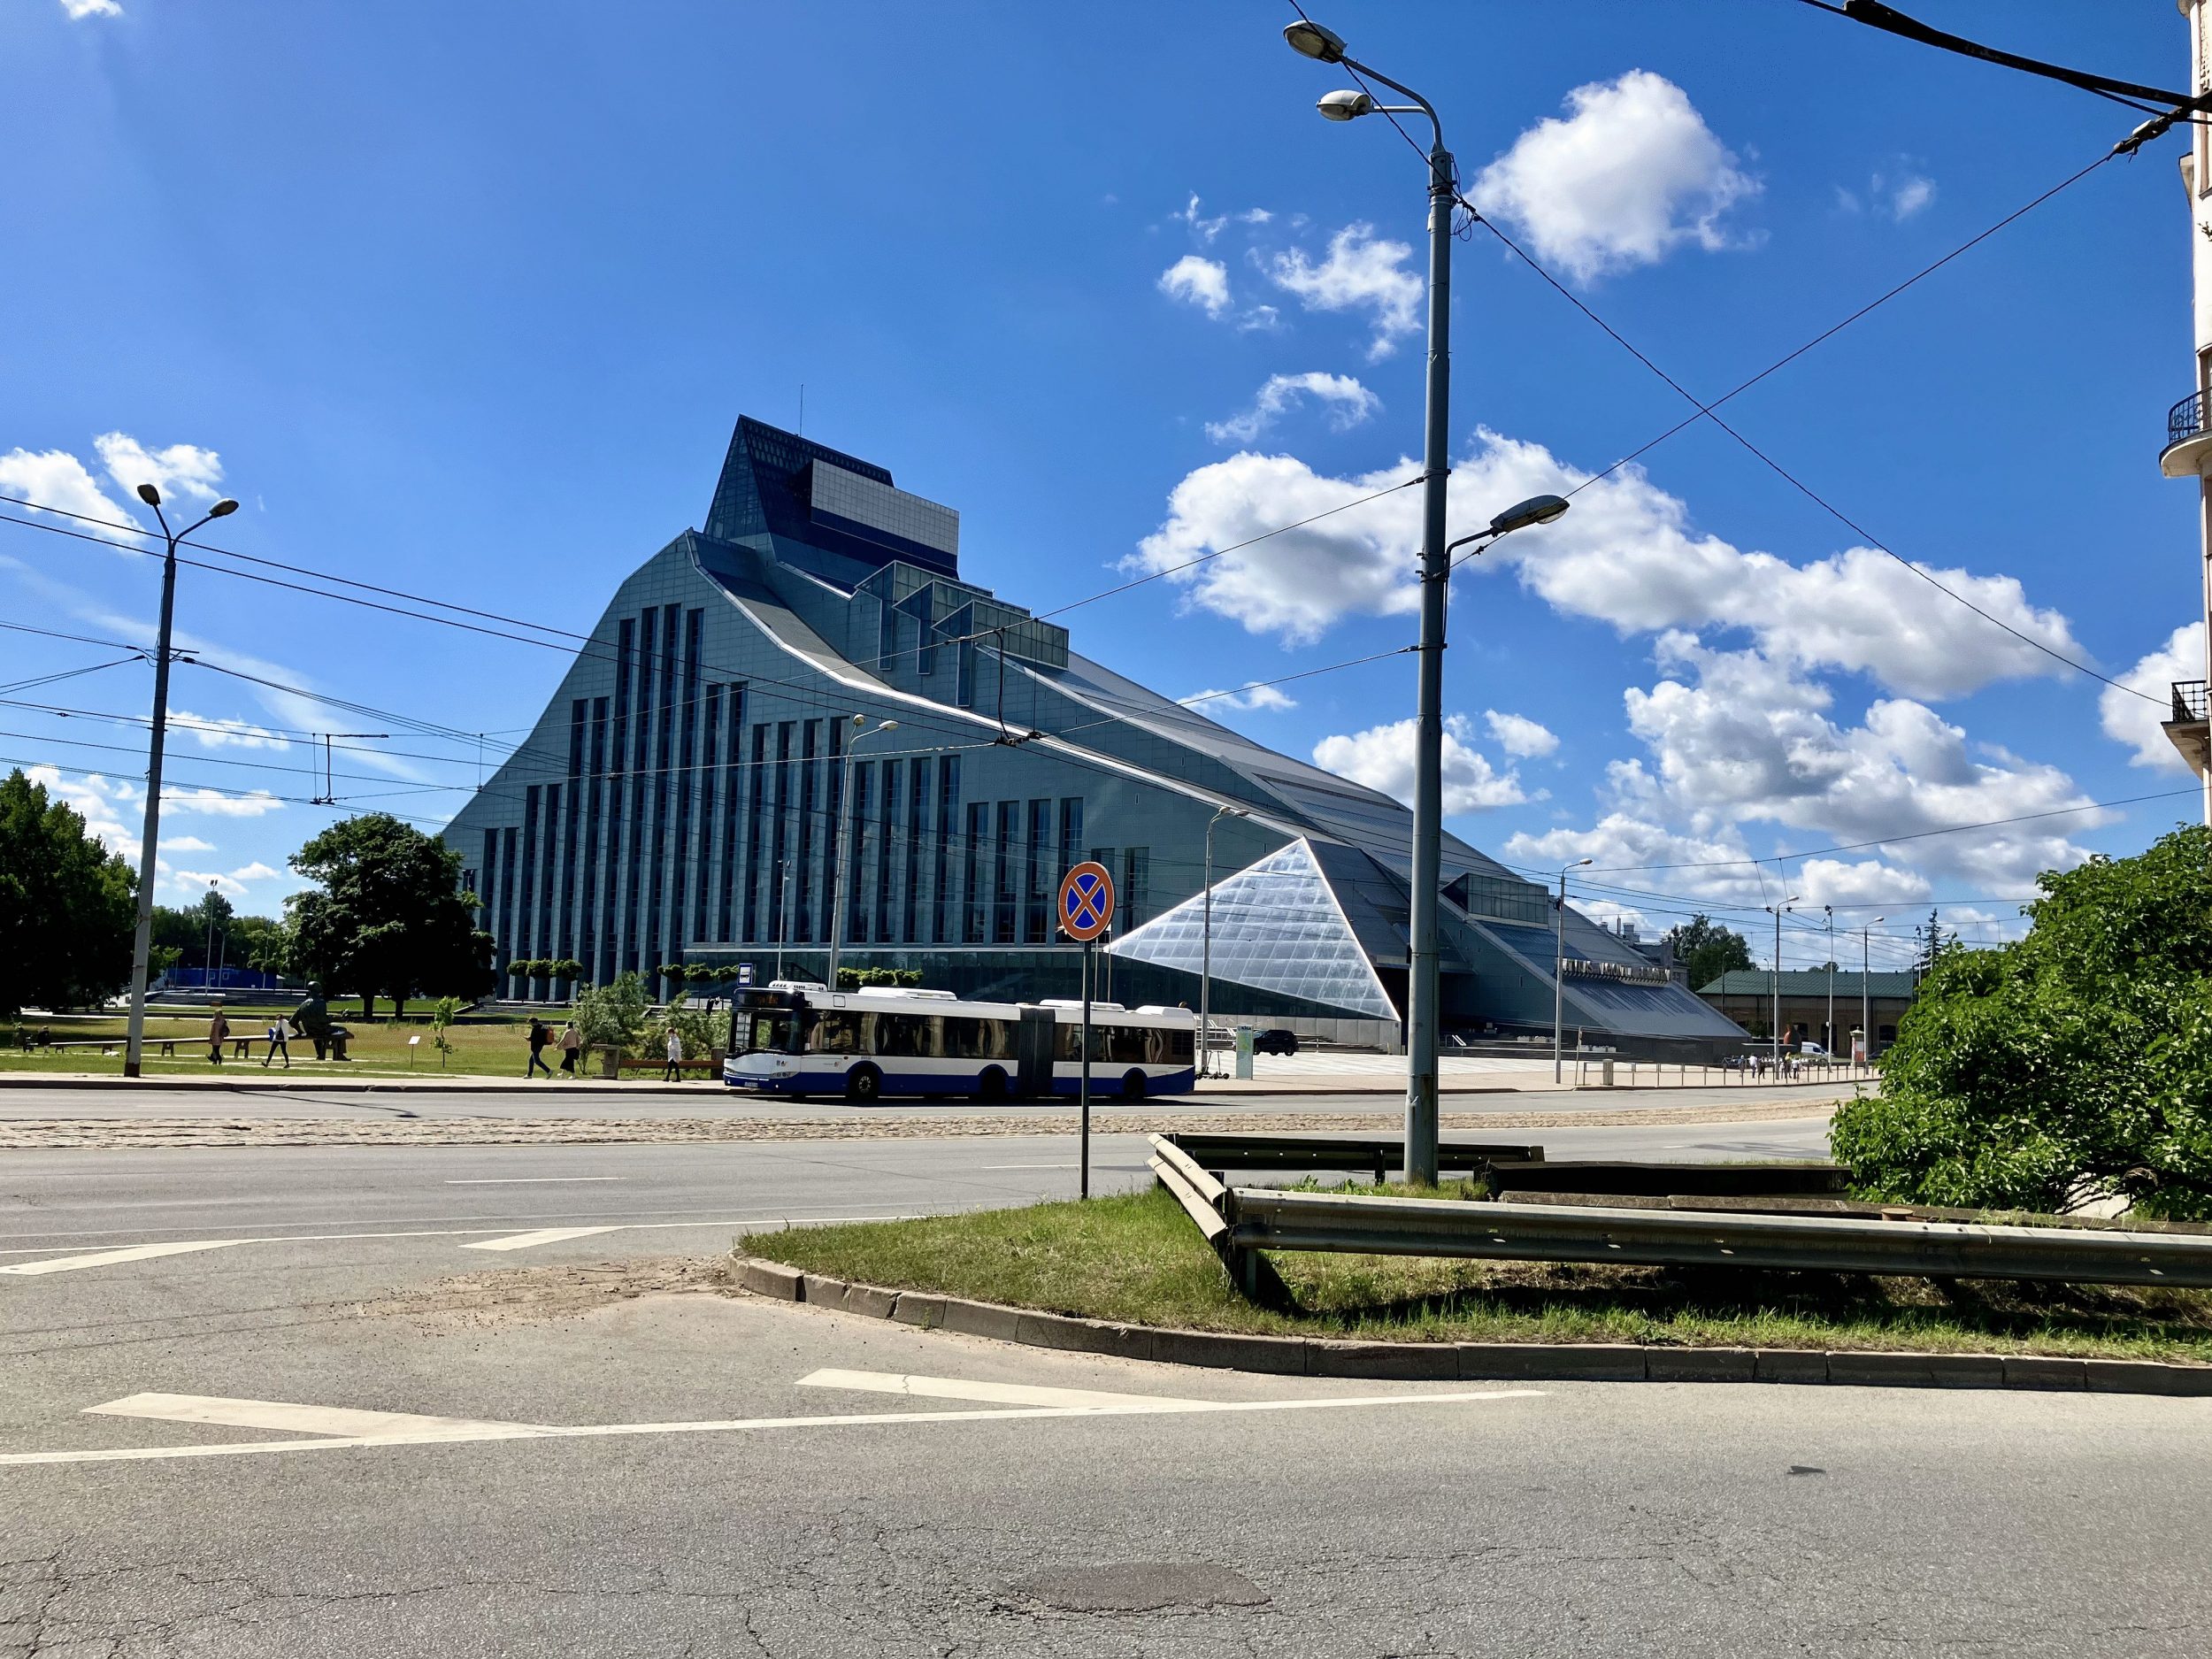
1141	1587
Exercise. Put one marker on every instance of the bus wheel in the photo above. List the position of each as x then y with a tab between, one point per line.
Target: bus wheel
992	1085
864	1085
1132	1086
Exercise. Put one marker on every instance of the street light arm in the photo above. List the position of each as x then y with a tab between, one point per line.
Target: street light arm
1425	107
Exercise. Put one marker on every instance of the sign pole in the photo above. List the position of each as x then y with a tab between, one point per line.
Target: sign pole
1084	1089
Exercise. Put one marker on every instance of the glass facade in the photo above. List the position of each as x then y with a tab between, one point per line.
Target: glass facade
1276	927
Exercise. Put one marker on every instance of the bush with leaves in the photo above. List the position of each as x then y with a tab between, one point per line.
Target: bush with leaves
700	1030
443	1012
2074	1063
853	978
613	1016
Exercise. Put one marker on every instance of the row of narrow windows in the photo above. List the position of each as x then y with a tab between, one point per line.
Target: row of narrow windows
678	823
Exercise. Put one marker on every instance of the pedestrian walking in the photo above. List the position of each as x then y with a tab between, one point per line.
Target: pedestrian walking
673	1070
572	1041
539	1037
279	1043
217	1033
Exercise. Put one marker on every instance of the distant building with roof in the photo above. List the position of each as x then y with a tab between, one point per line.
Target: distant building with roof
1746	996
678	801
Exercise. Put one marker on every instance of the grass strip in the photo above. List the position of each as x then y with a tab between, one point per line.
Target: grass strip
1137	1258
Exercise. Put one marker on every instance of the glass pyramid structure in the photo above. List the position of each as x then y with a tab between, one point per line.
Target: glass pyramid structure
1276	926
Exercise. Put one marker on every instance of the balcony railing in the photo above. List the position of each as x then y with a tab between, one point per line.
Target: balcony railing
2186	418
2189	700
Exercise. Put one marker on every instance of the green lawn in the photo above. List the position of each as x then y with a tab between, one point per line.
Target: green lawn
1139	1259
481	1047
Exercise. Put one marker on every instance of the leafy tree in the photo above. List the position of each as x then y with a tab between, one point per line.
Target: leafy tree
702	973
2073	1062
1708	950
388	915
260	942
1933	943
565	968
613	1016
702	1032
68	908
443	1012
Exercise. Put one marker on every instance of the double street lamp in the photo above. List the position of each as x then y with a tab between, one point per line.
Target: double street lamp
1326	46
1866	997
1777	911
141	942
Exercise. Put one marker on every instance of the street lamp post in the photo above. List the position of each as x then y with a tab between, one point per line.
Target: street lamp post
1326	46
1206	958
1559	970
207	962
142	941
1866	997
1775	1034
844	817
1828	1037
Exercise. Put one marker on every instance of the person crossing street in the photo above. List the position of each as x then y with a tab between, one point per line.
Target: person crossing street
539	1037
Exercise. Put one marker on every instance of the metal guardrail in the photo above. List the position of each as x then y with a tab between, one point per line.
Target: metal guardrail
1242	1222
1666	1180
2190	700
1379	1153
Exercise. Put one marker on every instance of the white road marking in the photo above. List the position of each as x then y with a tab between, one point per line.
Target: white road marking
129	1253
327	1421
56	1265
544	1235
532	1181
1028	1166
997	1394
1149	1407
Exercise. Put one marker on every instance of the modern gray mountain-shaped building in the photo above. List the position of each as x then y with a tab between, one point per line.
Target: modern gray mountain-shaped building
680	799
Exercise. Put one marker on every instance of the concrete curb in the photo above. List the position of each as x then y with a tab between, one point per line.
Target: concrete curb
1472	1362
278	1082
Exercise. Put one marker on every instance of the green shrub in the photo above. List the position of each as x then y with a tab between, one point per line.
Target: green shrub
613	1016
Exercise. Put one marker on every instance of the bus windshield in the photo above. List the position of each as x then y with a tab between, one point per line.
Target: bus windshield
765	1030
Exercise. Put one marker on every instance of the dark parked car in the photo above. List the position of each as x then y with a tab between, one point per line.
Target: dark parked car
1276	1042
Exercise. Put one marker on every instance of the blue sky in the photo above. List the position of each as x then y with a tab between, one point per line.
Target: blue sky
466	300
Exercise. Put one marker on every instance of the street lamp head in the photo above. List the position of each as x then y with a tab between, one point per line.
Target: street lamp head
1310	39
223	509
148	493
1345	106
1581	862
888	726
1536	510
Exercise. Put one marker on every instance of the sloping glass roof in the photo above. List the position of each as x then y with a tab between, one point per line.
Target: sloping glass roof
1276	926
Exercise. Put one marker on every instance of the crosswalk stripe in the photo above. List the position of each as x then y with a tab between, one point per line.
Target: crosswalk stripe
544	1235
105	1258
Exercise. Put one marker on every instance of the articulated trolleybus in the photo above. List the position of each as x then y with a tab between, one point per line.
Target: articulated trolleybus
799	1040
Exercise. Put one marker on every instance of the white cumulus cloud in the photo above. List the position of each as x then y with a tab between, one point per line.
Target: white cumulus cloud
2138	723
55	482
91	9
1630	174
1196	281
183	469
1382	758
1360	273
109	806
227	732
216	804
1519	735
1347	401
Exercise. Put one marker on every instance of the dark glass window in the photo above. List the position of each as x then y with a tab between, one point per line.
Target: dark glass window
780	826
1038	912
525	917
710	842
887	929
978	913
802	927
733	784
755	792
688	788
551	861
1133	903
588	955
485	914
917	806
948	824
1071	833
833	802
575	801
506	931
1005	898
856	906
663	752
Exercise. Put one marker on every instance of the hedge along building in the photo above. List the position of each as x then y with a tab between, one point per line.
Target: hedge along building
680	799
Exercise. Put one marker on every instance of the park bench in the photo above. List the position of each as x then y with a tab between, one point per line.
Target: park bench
662	1065
109	1045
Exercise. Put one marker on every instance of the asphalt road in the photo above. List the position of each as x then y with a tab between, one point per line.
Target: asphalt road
540	1101
740	1477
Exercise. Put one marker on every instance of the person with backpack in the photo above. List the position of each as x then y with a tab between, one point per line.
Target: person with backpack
279	1043
539	1038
